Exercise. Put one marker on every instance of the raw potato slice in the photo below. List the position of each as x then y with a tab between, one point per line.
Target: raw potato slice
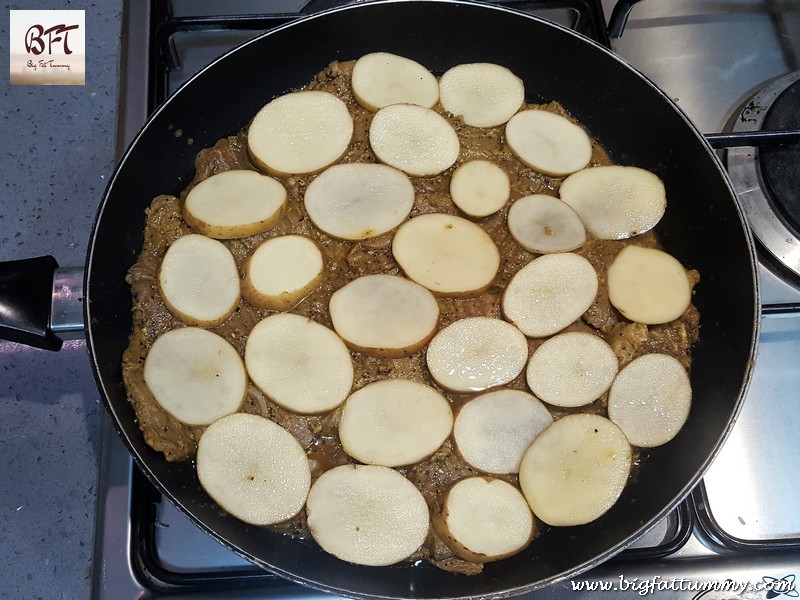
235	204
615	202
477	353
493	430
384	315
414	139
549	293
299	133
572	369
650	399
394	422
282	271
483	94
485	519
446	254
479	188
357	201
199	281
253	468
575	470
367	515
301	365
380	79
648	286
548	142
195	375
545	224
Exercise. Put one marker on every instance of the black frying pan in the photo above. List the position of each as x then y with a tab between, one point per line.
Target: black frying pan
636	122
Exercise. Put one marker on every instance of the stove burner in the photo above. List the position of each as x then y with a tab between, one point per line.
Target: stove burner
767	180
780	165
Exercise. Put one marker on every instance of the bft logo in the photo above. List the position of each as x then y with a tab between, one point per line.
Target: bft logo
48	47
35	40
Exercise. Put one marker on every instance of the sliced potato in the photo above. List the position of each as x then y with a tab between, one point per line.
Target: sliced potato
235	204
485	519
199	281
549	293
548	142
394	422
380	79
479	188
650	399
446	254
575	470
253	468
357	201
545	224
648	285
572	369
483	94
615	202
282	271
367	514
414	139
195	375
493	430
299	133
384	315
299	364
476	353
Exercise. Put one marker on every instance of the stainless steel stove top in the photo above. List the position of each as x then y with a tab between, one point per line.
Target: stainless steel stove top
741	524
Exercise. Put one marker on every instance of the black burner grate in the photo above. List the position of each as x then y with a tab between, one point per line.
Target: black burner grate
583	16
780	165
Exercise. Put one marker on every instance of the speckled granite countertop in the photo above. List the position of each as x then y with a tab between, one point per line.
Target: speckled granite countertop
56	155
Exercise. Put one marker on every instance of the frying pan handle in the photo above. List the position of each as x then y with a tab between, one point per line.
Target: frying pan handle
41	305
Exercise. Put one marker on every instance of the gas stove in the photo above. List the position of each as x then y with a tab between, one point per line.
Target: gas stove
738	534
